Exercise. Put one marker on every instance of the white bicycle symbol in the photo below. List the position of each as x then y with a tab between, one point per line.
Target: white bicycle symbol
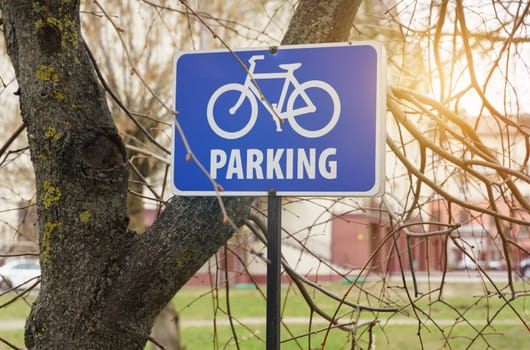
250	92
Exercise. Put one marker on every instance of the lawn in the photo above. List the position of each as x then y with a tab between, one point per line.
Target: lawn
462	320
393	337
17	309
465	302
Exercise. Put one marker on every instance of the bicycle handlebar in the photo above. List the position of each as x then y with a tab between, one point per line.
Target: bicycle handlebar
256	58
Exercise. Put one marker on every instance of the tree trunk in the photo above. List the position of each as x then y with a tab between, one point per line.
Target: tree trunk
317	21
103	285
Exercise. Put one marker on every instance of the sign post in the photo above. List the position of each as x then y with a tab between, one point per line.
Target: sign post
274	254
302	120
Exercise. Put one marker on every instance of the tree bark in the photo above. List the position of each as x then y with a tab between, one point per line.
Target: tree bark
317	21
103	285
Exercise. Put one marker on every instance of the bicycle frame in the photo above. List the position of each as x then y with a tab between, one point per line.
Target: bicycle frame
275	109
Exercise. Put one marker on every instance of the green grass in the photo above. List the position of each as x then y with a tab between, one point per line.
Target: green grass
393	337
461	302
18	309
15	337
450	314
198	303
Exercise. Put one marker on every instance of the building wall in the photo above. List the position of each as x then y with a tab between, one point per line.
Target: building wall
367	243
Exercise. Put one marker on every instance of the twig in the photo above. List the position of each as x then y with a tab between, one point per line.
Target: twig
12	138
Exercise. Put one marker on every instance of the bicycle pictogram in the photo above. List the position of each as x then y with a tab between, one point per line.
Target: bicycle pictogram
287	107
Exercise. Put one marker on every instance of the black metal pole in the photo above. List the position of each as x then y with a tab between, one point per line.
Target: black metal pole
274	224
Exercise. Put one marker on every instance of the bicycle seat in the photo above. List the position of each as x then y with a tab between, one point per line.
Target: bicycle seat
290	66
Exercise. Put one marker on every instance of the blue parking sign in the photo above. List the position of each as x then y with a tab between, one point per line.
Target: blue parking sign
304	120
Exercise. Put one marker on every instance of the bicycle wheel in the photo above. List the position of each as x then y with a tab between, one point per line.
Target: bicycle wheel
319	125
227	113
